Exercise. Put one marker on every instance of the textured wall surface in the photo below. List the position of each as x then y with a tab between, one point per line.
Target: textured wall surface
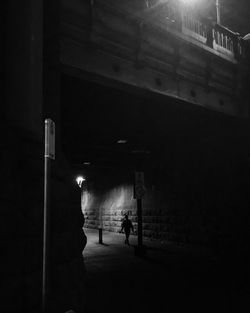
107	211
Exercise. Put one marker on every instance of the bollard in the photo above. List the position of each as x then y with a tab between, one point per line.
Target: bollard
100	235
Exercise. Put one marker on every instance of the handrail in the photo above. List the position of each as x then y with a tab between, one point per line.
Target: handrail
217	37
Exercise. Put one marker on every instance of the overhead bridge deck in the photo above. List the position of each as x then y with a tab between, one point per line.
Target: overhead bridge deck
160	48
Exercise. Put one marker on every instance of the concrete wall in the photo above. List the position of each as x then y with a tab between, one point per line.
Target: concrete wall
107	210
125	43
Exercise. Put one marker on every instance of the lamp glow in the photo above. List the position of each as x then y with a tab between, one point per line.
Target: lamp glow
188	1
80	180
122	141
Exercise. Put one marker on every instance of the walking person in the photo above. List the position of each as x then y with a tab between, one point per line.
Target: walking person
127	226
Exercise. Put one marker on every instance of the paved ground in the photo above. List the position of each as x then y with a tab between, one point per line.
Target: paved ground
170	279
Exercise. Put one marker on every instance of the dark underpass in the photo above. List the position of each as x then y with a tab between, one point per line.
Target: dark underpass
195	160
194	211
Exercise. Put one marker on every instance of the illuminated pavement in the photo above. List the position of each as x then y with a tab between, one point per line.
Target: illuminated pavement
171	279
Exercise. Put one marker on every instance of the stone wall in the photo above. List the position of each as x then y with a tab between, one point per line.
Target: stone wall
107	210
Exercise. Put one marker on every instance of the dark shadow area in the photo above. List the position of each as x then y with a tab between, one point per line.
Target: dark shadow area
162	282
197	170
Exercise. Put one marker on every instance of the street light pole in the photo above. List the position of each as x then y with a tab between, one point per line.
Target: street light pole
217	11
49	154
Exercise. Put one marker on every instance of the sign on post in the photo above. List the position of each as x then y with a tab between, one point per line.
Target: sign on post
49	139
139	189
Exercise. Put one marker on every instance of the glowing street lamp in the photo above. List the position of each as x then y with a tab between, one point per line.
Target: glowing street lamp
80	180
188	1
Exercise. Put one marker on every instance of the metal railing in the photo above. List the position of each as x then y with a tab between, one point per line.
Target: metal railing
215	36
194	25
223	40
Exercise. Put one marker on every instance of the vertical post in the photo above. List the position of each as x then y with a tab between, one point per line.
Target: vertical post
45	287
100	225
236	47
100	235
139	221
217	11
49	154
139	192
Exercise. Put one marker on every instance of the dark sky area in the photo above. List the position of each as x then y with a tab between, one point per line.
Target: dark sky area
235	14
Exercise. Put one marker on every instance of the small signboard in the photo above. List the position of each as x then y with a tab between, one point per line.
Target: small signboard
49	139
139	188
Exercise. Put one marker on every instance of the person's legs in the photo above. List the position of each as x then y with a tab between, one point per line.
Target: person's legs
127	238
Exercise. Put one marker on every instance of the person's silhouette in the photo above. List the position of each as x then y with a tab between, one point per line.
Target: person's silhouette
127	226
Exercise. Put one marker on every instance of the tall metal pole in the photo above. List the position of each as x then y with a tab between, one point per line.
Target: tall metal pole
139	222
45	287
49	154
218	12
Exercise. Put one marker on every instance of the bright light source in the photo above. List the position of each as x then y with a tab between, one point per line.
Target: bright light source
187	2
122	141
79	180
86	163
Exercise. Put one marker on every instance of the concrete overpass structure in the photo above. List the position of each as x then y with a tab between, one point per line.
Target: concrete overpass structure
171	84
159	46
